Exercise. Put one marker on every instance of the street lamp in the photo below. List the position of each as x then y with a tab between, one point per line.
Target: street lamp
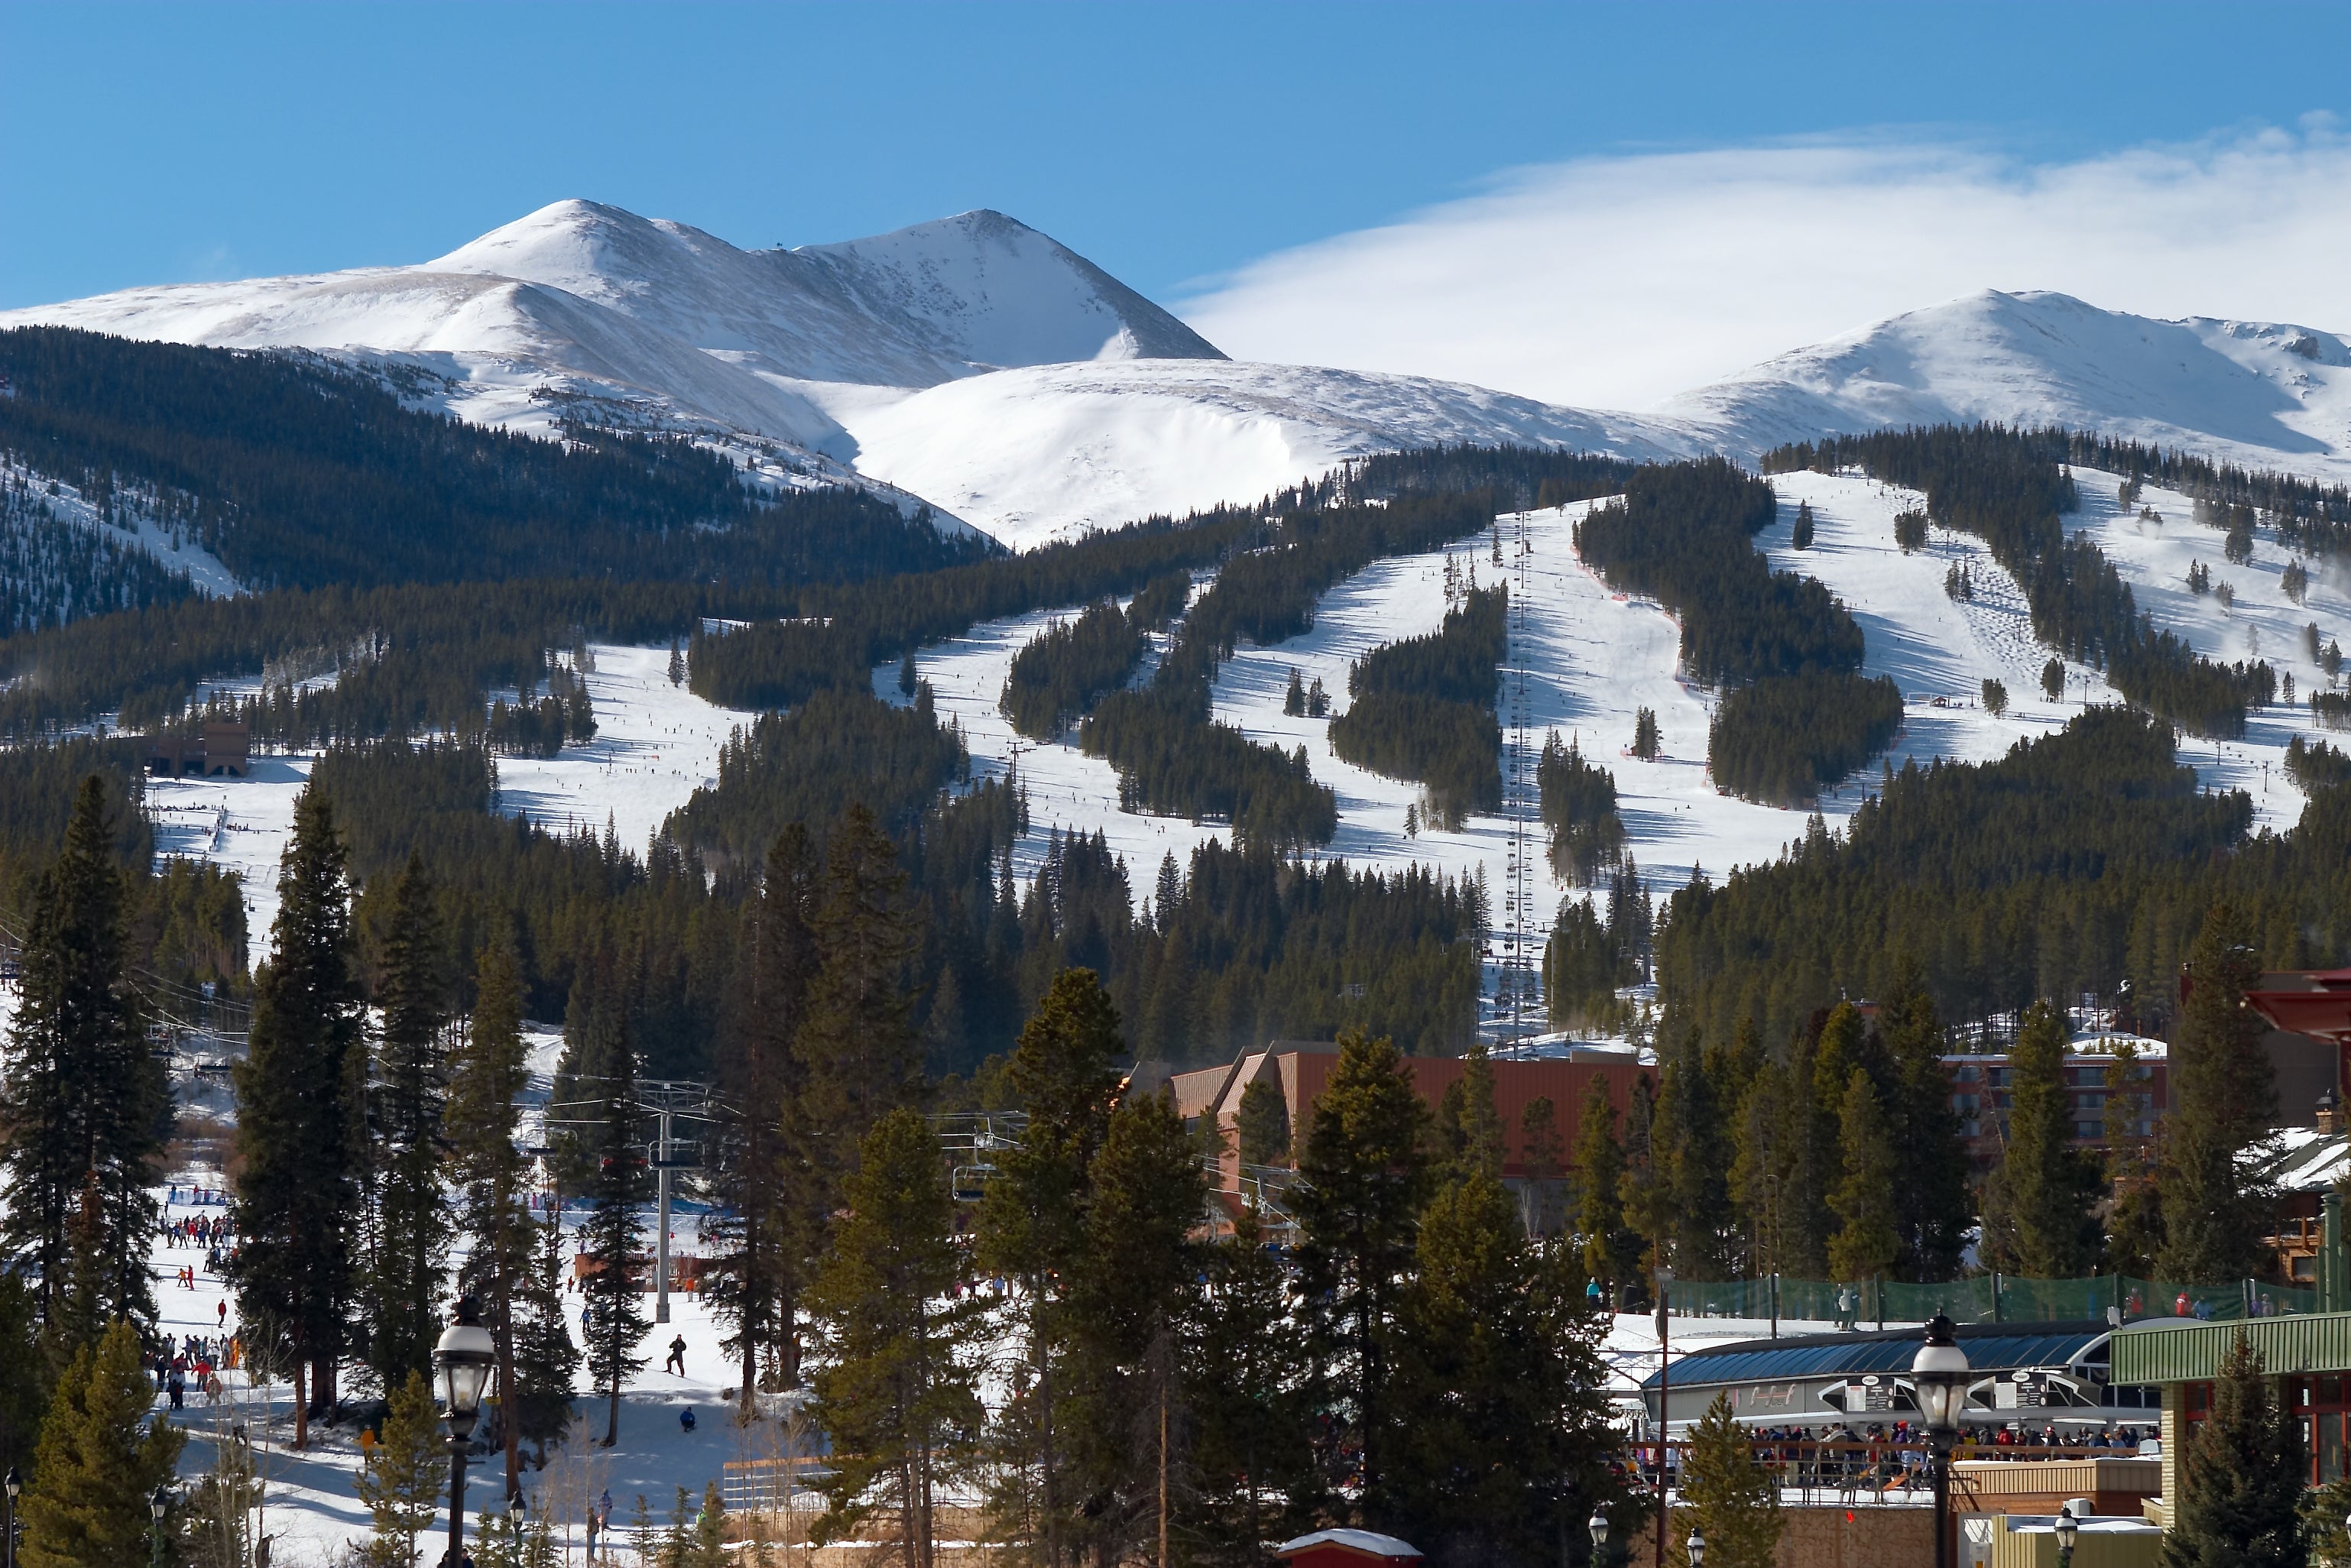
1696	1547
1939	1375
2069	1530
1598	1525
461	1362
14	1485
156	1508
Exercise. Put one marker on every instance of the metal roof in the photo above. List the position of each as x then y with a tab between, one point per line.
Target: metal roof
2173	1352
1991	1347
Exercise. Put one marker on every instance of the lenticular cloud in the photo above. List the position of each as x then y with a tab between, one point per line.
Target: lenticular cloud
1619	281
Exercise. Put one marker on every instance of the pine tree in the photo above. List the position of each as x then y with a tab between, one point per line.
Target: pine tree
2052	680
1497	1360
614	1321
402	1474
1364	1173
1865	1244
896	1391
1762	1164
100	1460
297	1090
1933	1207
1031	1229
908	677
411	1219
2135	1212
676	664
1469	1127
488	1076
24	1392
1694	1157
1293	701
859	1052
1646	743
1245	1376
1608	1245
81	1099
1648	1201
545	1361
1132	1294
2241	1477
772	1199
1801	537
2224	1094
1729	1494
1262	1125
2040	1219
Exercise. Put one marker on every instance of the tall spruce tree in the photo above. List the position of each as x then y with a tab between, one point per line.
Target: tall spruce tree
1766	1135
1365	1173
2224	1094
1933	1207
1469	1126
860	1055
489	1074
614	1322
1133	1294
547	1363
1694	1157
99	1462
1647	1199
412	1229
1032	1229
1545	1162
297	1091
1864	1244
1611	1250
1252	1474
1505	1451
2241	1477
772	1198
400	1477
81	1102
1729	1495
2039	1204
897	1389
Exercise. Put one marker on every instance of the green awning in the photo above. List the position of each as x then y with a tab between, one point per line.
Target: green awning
2164	1351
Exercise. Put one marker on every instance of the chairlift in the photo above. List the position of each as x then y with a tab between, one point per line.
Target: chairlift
969	1183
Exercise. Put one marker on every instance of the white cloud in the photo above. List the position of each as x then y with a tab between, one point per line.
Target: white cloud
1616	282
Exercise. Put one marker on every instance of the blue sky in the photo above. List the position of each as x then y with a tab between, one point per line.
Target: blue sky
1171	143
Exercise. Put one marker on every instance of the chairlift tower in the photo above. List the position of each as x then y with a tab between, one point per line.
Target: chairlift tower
667	1100
1517	992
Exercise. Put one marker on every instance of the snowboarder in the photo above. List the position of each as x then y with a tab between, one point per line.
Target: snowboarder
676	1361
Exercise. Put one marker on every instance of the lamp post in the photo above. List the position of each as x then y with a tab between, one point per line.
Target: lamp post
1665	1399
156	1508
2069	1530
1598	1525
1939	1375
1696	1547
461	1364
14	1485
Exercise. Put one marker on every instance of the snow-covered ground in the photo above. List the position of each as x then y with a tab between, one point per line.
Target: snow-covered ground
177	552
655	744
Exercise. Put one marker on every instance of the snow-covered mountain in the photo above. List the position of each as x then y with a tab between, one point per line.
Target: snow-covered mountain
2267	394
983	367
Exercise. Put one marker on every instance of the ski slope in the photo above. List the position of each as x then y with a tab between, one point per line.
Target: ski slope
1594	657
655	744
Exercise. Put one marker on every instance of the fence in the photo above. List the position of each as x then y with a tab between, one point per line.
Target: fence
1984	1299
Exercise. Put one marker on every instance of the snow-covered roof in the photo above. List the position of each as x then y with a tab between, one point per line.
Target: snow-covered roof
1370	1542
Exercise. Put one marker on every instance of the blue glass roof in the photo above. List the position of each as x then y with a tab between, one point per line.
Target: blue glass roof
2003	1347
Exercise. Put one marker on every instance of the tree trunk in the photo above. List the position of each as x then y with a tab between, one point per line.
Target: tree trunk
301	1388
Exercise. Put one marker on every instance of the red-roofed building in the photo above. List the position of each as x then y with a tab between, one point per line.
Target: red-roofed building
1346	1549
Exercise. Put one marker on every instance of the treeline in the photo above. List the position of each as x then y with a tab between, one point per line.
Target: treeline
298	473
1579	811
2010	489
1423	710
2080	862
54	569
1594	950
1518	477
1784	739
1682	535
1067	667
838	635
2306	514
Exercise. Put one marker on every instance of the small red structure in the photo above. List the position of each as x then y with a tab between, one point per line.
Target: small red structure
2313	1002
1346	1549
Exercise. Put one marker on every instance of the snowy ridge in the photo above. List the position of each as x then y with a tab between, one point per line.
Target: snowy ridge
2261	394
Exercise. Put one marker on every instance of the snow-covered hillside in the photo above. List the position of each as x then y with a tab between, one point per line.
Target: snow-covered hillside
2261	394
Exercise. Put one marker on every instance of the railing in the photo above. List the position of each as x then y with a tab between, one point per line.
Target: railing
1852	1470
